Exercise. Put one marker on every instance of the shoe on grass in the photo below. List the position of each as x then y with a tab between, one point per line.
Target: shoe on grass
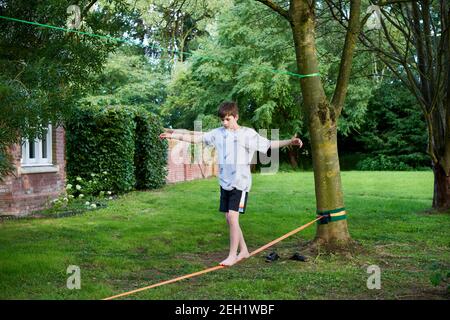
271	257
298	257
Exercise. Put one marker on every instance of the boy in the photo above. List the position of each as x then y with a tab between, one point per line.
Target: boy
236	146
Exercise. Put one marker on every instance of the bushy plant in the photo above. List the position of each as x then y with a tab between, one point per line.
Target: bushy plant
121	140
85	193
6	166
382	163
102	139
150	157
394	135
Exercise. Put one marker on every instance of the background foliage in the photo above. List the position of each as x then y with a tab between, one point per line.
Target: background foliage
44	71
119	140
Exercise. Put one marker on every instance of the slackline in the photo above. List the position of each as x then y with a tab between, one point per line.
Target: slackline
191	275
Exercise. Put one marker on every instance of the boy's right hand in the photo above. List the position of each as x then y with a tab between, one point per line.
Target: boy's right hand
167	134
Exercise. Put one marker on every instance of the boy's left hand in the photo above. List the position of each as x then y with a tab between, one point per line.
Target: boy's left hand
296	141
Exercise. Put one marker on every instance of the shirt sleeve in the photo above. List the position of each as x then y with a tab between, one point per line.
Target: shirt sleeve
258	142
209	138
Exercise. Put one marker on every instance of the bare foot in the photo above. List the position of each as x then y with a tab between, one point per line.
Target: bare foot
242	255
229	261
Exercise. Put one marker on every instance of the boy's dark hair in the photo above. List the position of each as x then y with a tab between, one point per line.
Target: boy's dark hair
228	108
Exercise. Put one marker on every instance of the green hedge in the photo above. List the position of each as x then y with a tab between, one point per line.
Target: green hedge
383	162
115	139
150	157
6	160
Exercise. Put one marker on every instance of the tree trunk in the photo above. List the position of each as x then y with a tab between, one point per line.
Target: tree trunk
441	194
322	124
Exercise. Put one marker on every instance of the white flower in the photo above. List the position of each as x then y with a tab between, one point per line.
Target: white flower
110	198
105	172
93	205
87	203
79	179
68	187
109	192
78	187
80	195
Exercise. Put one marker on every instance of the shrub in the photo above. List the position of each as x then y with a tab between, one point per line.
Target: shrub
84	194
121	140
382	163
150	157
102	139
6	160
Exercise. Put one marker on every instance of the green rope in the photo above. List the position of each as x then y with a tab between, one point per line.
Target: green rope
140	45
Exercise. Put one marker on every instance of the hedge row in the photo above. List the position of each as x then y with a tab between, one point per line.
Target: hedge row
122	141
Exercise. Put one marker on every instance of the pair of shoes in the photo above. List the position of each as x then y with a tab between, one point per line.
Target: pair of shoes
271	257
298	257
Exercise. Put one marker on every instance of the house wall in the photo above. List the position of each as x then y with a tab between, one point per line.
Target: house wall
31	189
181	167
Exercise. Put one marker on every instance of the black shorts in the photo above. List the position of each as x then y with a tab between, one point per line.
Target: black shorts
234	199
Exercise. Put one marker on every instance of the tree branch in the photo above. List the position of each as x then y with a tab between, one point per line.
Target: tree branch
275	7
388	2
347	55
87	8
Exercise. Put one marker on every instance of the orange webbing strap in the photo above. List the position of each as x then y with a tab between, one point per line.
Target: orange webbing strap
191	275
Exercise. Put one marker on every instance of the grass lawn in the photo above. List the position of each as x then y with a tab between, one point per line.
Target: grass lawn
147	237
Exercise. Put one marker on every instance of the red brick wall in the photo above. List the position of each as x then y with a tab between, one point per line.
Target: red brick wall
20	193
181	166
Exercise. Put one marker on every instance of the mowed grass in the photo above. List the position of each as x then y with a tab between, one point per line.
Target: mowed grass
148	237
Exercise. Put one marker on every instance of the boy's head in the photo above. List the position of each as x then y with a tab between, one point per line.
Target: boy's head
229	114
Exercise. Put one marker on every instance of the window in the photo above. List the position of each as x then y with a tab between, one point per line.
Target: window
37	152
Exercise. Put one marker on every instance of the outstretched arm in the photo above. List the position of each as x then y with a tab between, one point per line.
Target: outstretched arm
294	141
182	135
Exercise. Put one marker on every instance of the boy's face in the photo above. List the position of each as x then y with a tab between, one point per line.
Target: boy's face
230	121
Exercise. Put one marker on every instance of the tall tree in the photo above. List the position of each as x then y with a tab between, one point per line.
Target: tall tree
414	43
321	112
129	78
44	71
247	58
174	24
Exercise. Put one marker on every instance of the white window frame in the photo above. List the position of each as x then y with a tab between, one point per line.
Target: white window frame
38	160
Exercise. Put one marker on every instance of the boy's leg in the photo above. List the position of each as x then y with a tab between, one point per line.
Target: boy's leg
243	250
236	240
242	244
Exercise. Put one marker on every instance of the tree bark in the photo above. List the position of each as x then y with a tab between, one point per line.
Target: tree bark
428	80
320	114
322	125
441	194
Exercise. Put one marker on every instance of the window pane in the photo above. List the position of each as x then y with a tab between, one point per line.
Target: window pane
32	151
44	147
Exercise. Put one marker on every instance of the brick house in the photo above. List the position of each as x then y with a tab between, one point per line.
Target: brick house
181	167
39	174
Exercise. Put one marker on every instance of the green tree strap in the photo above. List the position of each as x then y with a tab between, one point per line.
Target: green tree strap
331	215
